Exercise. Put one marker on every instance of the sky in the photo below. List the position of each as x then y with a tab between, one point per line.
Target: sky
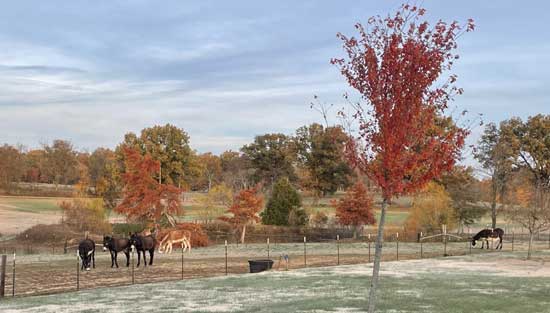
225	71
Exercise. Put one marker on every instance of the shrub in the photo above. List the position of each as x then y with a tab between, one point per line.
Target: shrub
54	233
199	237
319	219
284	200
86	215
126	228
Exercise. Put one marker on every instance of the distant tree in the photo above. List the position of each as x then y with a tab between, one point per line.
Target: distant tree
284	199
396	65
12	166
530	142
465	192
246	205
168	145
319	219
34	163
236	170
210	169
321	153
60	164
214	202
144	198
271	156
355	209
529	205
496	157
432	207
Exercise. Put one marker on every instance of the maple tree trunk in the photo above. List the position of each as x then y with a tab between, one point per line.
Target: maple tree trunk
377	258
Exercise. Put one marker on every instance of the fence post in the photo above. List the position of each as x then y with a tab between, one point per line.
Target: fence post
512	242
421	246
338	248
226	257
305	253
182	261
397	247
133	265
77	271
3	275
268	247
13	276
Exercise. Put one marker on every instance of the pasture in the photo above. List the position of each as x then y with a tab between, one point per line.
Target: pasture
492	282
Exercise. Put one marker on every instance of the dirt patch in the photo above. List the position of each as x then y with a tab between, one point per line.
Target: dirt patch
13	222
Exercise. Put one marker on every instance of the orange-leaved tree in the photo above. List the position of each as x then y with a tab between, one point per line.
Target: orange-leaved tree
355	209
403	139
246	206
144	198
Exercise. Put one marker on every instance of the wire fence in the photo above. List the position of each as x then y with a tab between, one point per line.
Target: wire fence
58	270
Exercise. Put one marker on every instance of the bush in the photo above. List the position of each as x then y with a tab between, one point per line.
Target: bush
199	237
55	233
284	200
126	228
86	215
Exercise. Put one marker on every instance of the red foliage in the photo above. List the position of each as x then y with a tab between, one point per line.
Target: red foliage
246	206
144	197
395	65
356	207
199	237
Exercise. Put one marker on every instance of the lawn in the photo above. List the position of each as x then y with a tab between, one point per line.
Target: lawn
31	204
478	283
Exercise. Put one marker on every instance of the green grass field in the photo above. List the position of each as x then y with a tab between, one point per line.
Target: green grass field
31	204
477	283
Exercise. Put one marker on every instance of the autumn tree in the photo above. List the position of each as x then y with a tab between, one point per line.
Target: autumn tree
60	163
210	169
529	206
271	156
496	157
283	201
432	207
169	145
396	64
145	199
465	192
530	142
213	203
355	209
12	166
236	170
320	152
246	205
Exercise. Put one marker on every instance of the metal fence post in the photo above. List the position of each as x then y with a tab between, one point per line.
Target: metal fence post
182	261
226	257
338	248
3	275
13	276
268	247
512	242
421	246
133	266
77	271
305	253
397	247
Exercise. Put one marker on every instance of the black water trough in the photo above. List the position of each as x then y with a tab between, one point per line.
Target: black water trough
257	266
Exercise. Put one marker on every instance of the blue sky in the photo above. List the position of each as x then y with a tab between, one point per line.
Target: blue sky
226	71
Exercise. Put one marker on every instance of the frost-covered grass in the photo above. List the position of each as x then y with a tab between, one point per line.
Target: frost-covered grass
477	283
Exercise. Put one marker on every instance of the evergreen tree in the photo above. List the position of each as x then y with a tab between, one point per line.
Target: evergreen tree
284	199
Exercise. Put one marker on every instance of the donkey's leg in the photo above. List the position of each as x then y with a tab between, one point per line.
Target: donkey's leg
139	258
127	254
112	258
144	259
93	259
151	255
116	259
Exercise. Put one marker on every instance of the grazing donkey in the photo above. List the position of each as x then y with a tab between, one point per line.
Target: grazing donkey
487	235
142	244
116	245
86	252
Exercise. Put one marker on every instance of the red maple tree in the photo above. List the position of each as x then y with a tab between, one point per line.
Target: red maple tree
144	198
246	206
403	139
355	209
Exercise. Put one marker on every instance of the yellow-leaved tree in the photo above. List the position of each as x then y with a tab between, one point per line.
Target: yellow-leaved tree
431	208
